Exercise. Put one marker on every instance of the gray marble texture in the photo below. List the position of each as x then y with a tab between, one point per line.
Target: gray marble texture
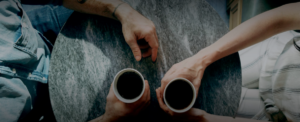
90	50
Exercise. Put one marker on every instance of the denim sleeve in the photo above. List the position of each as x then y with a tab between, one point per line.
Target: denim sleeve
42	2
17	98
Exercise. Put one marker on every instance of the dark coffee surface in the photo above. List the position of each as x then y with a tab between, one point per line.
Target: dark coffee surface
179	94
90	50
130	85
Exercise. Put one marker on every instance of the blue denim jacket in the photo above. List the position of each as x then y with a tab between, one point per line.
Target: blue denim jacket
24	52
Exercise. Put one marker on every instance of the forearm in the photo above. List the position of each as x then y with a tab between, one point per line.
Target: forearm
255	30
103	8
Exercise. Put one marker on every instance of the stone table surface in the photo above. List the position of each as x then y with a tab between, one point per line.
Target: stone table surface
90	50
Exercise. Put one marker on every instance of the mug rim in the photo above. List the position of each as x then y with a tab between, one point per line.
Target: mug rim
192	102
115	81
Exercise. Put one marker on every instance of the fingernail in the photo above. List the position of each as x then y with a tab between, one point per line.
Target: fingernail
155	60
138	58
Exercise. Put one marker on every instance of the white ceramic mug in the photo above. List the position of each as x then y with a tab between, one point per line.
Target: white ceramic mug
193	99
116	81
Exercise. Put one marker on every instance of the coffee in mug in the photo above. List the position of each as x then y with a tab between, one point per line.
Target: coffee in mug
129	85
180	95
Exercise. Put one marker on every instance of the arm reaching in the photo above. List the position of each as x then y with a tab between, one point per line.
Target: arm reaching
135	26
103	8
116	110
257	29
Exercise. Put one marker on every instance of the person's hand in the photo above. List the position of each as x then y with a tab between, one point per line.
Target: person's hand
117	110
191	68
192	115
139	32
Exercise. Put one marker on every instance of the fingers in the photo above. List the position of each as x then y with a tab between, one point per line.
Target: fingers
147	91
111	87
167	78
153	42
172	69
148	88
132	42
111	94
147	104
136	51
146	96
144	101
197	82
144	46
160	100
147	53
162	88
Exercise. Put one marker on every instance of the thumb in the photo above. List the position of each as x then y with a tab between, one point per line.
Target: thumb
132	42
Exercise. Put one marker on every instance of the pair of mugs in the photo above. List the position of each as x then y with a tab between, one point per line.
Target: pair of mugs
179	94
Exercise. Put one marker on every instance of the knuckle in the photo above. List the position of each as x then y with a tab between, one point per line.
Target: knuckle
152	25
185	70
174	66
177	64
135	50
130	41
164	80
108	98
197	84
145	100
171	113
150	29
153	28
155	46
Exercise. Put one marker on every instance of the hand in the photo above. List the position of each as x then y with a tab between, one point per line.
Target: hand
116	110
138	31
193	115
191	68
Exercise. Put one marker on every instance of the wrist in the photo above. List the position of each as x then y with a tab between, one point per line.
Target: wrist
205	57
123	12
104	8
